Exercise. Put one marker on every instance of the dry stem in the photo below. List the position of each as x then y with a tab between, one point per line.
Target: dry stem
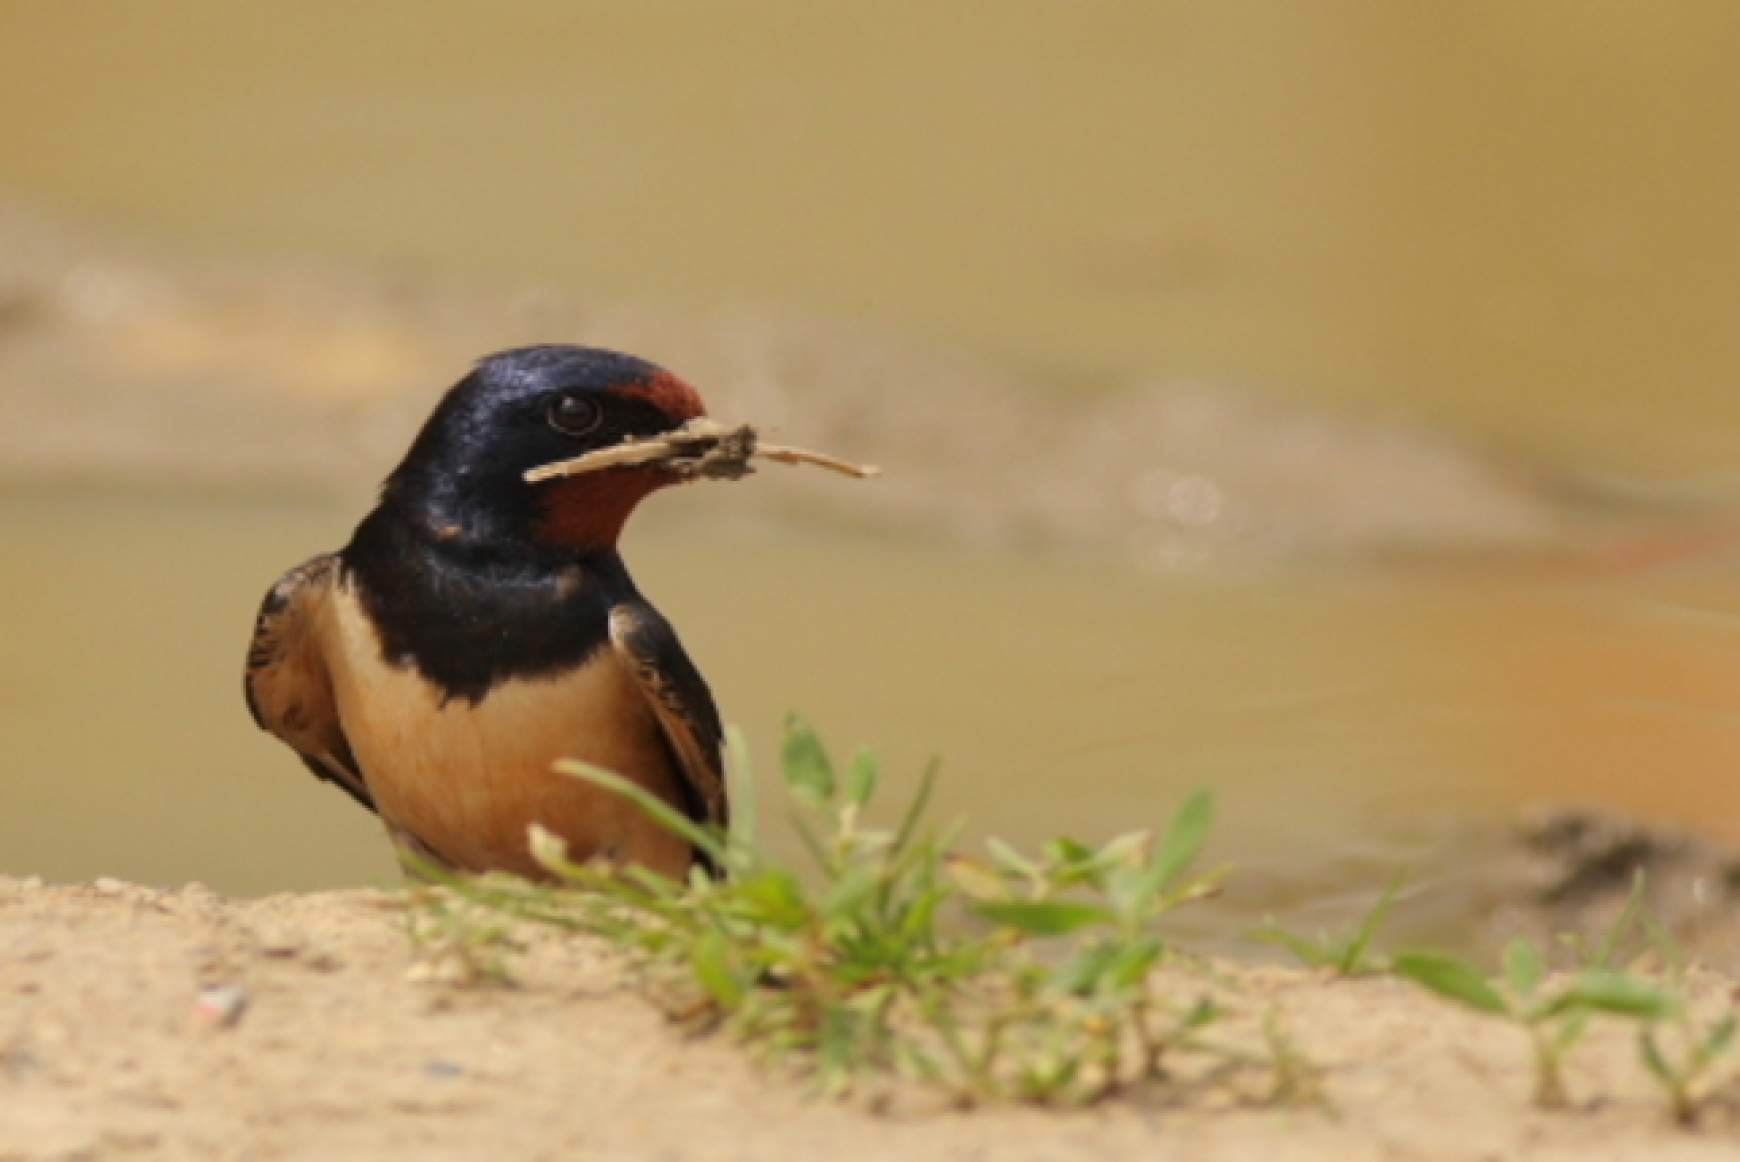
701	447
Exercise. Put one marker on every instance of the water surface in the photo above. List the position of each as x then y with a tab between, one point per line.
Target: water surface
1516	219
1352	721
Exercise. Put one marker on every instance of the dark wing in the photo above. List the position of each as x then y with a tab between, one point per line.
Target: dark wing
287	686
648	646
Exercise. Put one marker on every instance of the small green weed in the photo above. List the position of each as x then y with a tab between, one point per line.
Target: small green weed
1680	1053
1682	1065
1604	950
1346	954
1024	976
1036	976
1677	1049
1555	1018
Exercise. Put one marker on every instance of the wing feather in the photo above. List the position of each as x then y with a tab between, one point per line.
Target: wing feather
648	646
286	682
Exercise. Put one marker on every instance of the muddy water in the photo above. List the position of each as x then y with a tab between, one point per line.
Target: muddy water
1352	722
1512	218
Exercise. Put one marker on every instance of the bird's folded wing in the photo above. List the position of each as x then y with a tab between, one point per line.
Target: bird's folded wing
648	646
287	685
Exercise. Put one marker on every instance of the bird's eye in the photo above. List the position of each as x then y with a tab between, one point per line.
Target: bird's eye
575	415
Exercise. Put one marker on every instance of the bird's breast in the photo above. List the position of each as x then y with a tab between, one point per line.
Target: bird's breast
467	777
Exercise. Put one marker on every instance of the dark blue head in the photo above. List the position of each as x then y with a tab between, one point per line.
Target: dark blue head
463	479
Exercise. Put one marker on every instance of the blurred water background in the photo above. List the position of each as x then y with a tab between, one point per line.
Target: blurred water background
1333	404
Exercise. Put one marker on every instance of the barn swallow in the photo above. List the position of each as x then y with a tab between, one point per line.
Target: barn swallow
478	627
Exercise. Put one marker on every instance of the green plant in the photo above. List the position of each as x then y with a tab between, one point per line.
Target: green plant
1098	1001
1554	1018
1013	975
1604	950
1347	953
1681	1059
1681	1066
1677	1049
1043	976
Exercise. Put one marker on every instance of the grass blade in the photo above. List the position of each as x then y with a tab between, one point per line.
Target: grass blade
1044	917
1617	993
1523	967
1652	1057
711	961
860	777
1353	956
1604	952
741	792
808	769
1452	978
1184	837
1313	953
657	809
920	802
1719	1038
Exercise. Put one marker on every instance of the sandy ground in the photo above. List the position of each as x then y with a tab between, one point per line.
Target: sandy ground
338	1055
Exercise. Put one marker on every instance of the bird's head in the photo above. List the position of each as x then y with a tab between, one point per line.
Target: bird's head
463	479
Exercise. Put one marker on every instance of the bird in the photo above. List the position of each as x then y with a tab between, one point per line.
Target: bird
477	628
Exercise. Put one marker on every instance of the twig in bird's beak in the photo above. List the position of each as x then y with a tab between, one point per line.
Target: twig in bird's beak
701	448
786	454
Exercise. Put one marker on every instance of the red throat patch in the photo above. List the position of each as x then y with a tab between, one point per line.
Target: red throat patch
589	511
667	393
